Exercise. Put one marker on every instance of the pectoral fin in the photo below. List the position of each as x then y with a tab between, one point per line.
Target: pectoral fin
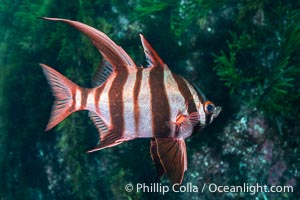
172	156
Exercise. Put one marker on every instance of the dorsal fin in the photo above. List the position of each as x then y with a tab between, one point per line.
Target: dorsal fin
102	73
111	52
152	57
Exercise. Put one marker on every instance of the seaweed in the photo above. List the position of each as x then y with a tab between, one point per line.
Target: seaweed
263	69
181	15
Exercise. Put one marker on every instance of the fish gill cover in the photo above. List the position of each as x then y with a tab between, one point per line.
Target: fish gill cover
244	55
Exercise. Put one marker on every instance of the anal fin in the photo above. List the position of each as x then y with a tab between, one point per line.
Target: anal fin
173	158
107	137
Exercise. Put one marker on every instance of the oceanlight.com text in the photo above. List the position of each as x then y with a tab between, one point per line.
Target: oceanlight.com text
211	187
252	189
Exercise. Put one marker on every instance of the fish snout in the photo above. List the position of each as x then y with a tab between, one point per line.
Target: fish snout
217	111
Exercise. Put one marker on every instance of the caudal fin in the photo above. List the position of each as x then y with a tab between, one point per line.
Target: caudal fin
65	95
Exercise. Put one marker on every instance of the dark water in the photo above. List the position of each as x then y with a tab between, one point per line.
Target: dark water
244	56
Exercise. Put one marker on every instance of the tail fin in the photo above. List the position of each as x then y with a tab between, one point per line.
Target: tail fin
65	95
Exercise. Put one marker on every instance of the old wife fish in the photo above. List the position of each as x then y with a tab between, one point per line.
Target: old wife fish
129	102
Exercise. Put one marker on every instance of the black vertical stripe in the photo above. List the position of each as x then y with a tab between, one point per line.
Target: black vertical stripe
115	98
186	93
136	91
160	107
84	95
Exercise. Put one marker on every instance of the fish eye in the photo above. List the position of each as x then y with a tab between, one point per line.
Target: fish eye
209	107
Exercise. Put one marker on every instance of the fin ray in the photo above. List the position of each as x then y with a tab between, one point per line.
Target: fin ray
103	72
194	118
99	123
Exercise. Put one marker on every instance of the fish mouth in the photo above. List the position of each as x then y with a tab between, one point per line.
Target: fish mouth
217	111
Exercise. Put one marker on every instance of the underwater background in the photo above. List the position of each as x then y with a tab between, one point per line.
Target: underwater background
244	55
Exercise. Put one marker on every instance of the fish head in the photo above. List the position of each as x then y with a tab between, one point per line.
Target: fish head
211	111
207	110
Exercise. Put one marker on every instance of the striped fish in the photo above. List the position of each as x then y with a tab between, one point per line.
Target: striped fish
128	102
